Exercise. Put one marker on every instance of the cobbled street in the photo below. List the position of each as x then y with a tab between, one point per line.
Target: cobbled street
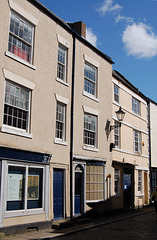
137	227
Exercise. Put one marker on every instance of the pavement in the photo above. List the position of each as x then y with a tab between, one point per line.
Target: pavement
64	228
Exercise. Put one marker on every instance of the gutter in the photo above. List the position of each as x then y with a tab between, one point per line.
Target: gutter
149	134
72	129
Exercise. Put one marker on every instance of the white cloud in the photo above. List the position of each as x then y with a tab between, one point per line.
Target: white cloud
140	41
108	6
123	18
91	37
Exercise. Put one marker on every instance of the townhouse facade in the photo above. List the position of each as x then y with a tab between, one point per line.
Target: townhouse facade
56	95
152	114
130	150
35	114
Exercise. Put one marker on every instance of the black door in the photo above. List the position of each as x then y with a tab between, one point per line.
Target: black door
128	188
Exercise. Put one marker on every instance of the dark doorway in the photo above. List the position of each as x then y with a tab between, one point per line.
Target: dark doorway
77	193
128	188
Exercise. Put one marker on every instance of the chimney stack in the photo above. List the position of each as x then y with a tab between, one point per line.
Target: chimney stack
79	27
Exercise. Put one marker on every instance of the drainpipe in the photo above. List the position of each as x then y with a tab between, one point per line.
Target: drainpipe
72	130
149	134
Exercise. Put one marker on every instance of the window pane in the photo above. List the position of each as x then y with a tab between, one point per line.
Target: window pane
116	93
16	107
16	188
90	79
61	66
94	182
135	106
60	121
137	141
20	38
90	128
35	186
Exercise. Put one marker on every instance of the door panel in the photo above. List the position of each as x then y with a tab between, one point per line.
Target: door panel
58	193
127	190
77	193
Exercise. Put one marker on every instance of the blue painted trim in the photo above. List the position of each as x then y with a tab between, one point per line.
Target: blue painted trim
96	163
21	155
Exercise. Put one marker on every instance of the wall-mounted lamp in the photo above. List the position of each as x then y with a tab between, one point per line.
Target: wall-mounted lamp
120	116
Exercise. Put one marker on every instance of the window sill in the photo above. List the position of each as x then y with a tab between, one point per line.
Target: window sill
14	131
94	201
88	148
59	141
140	195
23	212
61	81
13	56
86	94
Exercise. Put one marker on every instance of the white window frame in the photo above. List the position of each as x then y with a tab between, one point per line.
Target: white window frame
31	45
64	65
136	106
63	122
137	141
89	65
116	134
140	181
116	93
10	128
25	211
117	179
90	131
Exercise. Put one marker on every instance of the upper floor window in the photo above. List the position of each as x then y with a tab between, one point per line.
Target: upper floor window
21	37
60	121
90	79
61	66
116	93
137	141
135	106
117	134
90	130
17	106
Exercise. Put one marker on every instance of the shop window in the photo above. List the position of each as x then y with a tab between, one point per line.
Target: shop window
116	181
25	188
94	182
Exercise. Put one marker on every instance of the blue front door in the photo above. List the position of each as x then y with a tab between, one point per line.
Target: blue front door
58	193
77	193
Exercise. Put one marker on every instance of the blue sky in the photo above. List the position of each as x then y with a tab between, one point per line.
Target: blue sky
125	30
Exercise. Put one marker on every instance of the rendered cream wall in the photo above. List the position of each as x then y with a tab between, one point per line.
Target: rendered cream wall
43	103
153	126
102	106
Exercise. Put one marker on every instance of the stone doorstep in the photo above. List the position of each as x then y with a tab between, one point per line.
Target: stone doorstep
65	223
62	223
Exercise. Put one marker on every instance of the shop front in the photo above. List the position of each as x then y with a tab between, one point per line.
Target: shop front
24	187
